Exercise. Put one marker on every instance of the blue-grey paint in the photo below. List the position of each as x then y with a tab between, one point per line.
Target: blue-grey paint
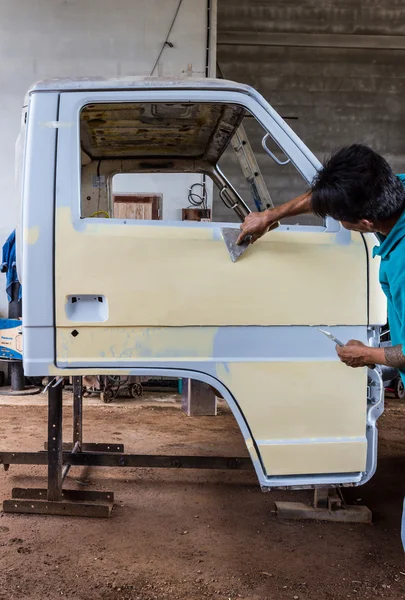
230	344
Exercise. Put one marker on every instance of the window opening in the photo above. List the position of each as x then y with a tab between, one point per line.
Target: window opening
179	161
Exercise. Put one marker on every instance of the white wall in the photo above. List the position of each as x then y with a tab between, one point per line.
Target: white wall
73	38
174	189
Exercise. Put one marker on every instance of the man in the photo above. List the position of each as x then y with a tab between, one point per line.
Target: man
358	188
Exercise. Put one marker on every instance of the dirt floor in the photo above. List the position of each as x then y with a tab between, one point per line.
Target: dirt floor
193	535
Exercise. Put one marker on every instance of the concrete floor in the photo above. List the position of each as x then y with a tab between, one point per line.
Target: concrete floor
191	535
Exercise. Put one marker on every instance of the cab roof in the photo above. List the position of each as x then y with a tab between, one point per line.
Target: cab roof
82	84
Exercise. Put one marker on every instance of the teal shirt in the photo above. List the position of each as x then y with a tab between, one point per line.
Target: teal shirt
392	279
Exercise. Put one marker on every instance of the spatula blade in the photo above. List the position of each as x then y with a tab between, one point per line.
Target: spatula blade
230	235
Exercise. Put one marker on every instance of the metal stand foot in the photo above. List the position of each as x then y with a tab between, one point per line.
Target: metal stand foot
71	509
328	505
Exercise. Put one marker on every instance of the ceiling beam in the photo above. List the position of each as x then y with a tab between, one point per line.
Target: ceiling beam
312	40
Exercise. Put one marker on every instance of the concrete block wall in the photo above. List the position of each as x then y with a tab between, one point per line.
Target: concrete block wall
40	39
335	68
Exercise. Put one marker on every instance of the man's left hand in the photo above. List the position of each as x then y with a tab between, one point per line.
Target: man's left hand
355	354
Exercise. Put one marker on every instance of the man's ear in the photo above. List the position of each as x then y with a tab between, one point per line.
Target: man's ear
368	225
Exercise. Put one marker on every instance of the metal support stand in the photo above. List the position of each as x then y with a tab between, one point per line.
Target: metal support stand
328	505
60	457
55	500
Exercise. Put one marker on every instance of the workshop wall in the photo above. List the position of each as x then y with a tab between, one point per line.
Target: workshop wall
40	39
173	187
335	68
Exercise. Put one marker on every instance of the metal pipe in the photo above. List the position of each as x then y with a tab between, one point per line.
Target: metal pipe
17	380
66	468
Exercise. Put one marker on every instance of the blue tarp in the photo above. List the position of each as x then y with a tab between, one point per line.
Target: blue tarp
9	265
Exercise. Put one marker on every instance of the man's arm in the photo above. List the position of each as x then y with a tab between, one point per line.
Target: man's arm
394	357
257	224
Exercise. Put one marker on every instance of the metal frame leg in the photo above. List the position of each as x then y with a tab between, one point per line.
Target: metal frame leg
77	410
55	461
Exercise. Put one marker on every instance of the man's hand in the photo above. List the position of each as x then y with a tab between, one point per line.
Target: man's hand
356	354
257	224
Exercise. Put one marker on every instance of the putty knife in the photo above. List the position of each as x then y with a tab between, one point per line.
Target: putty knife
331	336
231	234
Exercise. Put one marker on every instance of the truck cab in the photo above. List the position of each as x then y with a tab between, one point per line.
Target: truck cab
112	286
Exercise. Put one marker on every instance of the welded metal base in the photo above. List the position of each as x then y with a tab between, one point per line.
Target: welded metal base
328	505
76	503
67	495
302	511
71	509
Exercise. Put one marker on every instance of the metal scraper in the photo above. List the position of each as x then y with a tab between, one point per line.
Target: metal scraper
331	336
231	234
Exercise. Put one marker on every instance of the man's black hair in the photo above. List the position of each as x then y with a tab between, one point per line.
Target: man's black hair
357	183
